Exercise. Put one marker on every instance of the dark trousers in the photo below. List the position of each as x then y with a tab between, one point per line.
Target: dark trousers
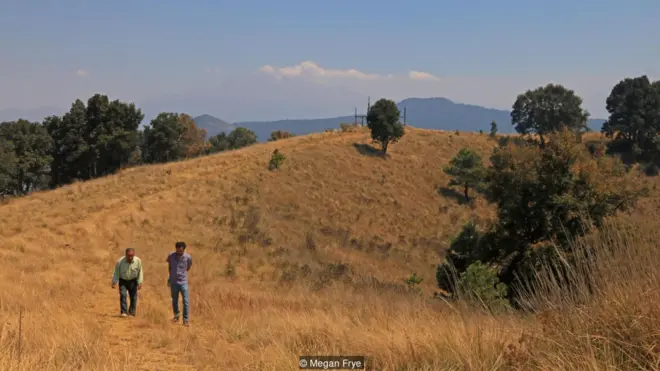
130	288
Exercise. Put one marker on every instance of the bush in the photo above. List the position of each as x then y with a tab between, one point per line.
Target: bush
279	134
349	127
276	160
650	169
413	280
479	285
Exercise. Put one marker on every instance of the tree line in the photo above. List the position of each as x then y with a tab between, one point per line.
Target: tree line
98	138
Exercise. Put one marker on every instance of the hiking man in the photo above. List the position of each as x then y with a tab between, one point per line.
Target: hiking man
179	264
128	273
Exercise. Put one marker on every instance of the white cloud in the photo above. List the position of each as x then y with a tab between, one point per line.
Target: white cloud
82	73
417	75
312	70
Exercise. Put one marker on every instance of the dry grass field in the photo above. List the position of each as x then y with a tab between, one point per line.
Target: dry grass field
309	259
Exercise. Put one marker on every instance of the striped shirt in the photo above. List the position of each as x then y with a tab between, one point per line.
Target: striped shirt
128	271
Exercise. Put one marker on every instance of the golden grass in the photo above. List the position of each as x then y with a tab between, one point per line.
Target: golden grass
308	259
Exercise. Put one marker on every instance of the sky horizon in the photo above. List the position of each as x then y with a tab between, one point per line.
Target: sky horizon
475	52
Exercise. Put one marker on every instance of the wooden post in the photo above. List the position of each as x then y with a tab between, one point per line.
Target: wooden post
20	335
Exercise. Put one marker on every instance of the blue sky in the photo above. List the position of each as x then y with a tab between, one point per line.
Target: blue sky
481	52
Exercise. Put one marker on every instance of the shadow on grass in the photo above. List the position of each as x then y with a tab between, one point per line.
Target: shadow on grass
369	150
452	193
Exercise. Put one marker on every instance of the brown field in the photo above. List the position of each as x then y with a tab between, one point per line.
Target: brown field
309	259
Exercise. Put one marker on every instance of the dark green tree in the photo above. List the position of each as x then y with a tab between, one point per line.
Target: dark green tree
466	169
94	140
26	147
111	134
241	137
546	110
238	138
162	139
69	145
383	121
493	129
219	143
8	165
634	121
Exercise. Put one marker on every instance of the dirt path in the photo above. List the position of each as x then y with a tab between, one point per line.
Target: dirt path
129	338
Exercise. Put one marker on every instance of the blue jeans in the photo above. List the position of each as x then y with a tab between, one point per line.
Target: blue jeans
175	289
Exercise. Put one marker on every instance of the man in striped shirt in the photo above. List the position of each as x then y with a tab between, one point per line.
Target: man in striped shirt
128	273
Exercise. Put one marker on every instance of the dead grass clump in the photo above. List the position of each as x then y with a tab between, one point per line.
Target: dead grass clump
604	313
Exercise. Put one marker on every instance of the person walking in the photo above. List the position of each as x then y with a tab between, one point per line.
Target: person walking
179	264
129	274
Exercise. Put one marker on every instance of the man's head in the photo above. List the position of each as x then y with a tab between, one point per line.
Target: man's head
180	247
130	253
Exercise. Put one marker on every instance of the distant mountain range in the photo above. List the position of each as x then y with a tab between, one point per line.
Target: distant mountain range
213	125
426	113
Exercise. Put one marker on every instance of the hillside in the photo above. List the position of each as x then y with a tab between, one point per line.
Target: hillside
308	259
424	113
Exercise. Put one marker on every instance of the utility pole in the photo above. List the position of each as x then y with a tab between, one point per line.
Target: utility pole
404	116
368	108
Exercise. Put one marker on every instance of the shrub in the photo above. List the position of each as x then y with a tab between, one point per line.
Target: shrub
276	160
413	280
479	285
345	127
493	130
279	134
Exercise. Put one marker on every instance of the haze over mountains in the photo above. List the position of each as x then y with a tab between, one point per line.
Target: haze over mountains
296	105
425	113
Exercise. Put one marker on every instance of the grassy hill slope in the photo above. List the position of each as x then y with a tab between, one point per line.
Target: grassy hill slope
309	259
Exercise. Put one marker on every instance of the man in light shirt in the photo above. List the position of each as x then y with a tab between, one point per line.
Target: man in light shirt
128	273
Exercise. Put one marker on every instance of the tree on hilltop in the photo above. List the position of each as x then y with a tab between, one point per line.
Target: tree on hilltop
548	109
466	169
92	140
383	121
193	138
111	135
493	129
634	121
238	138
241	137
69	145
24	157
171	137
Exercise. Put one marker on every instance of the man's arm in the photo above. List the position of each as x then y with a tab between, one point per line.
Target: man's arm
168	269
115	274
189	263
140	275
